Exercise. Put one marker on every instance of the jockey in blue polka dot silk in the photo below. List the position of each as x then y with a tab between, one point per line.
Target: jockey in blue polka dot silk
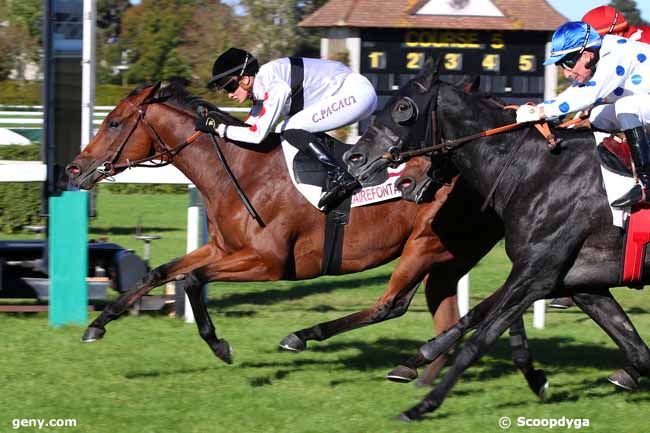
611	76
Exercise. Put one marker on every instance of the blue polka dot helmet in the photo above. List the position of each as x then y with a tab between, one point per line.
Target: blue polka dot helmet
572	38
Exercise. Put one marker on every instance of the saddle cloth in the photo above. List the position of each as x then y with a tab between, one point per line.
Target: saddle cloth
309	176
617	176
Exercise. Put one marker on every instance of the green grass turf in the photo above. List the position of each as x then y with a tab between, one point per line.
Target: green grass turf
154	374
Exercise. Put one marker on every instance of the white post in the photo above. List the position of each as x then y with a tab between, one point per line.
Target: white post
193	227
550	77
353	45
462	295
539	311
550	86
324	48
88	72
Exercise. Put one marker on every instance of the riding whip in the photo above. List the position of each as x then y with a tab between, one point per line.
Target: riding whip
247	204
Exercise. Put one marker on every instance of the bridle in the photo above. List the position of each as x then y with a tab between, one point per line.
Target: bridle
159	159
166	156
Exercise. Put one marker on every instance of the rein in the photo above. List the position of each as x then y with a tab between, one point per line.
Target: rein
449	145
395	156
166	156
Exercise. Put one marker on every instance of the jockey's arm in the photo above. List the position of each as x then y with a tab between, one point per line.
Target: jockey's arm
609	77
262	119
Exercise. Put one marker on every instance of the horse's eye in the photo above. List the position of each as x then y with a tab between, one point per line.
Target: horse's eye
113	124
403	107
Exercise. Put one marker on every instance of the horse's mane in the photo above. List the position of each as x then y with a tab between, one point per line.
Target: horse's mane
174	92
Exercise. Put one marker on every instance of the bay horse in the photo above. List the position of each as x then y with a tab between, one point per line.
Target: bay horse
158	119
556	219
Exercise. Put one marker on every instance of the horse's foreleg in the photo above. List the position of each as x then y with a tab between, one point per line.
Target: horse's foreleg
505	311
160	275
443	342
523	359
403	283
193	284
441	300
603	309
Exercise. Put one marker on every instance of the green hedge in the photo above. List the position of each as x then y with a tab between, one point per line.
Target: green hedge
19	201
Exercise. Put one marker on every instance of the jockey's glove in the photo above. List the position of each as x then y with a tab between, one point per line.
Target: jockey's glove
210	124
529	113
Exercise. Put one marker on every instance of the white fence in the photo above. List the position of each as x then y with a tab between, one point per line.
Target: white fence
31	116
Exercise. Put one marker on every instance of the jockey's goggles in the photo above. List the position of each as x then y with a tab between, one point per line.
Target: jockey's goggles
569	61
231	85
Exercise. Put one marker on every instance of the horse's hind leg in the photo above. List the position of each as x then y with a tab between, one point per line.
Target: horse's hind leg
603	309
160	275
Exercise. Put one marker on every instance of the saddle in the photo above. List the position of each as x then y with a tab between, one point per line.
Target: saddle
615	155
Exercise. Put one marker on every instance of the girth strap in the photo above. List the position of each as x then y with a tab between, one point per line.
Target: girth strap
335	223
297	90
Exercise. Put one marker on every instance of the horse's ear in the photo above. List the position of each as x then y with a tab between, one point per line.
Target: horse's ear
430	73
472	85
148	94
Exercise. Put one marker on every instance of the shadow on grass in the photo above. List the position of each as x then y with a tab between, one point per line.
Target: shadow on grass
158	373
274	296
558	354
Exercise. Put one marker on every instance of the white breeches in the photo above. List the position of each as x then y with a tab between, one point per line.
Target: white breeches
355	100
604	116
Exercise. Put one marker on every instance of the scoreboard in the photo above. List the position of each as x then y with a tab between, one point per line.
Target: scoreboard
510	63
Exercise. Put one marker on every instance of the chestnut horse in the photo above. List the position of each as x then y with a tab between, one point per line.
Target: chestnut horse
158	119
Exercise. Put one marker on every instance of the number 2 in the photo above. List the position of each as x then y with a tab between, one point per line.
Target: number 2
414	60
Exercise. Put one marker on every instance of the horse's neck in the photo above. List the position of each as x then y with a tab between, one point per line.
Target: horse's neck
200	163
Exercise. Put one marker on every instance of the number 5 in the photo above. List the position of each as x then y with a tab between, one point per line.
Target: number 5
527	63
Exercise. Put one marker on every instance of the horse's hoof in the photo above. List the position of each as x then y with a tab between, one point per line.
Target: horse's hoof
403	417
402	374
293	343
561	303
92	334
223	351
624	380
539	384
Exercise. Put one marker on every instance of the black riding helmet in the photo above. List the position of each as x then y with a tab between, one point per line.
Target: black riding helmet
234	62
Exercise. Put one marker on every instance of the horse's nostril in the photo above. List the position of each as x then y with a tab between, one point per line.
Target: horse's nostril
73	170
405	184
356	158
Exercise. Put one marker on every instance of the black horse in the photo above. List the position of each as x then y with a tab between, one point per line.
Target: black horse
557	222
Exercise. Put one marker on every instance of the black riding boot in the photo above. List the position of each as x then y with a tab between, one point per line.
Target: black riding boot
342	183
640	150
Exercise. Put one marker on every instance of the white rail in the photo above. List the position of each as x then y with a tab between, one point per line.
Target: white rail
35	171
